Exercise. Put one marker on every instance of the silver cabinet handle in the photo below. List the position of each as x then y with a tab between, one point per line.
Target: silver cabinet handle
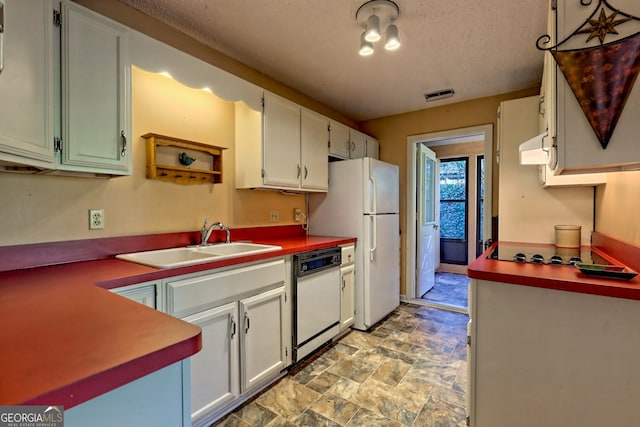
343	284
306	172
298	175
233	328
246	323
1	35
124	143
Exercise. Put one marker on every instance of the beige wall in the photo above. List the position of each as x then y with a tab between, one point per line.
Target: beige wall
617	206
50	208
392	132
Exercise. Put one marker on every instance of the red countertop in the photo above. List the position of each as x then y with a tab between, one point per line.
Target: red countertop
562	278
66	340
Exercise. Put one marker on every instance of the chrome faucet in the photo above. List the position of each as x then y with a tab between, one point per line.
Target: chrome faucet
226	230
205	232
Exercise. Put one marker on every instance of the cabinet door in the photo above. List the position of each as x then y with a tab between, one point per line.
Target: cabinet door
347	307
339	140
314	150
143	293
579	150
281	142
26	83
373	148
263	344
214	370
96	77
358	147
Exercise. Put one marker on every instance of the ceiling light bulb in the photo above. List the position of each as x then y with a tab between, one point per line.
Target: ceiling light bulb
392	40
366	48
373	29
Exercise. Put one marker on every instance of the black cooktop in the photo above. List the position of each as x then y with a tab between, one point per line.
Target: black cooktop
545	255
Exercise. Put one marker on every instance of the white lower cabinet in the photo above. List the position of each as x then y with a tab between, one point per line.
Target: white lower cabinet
243	315
157	399
143	293
212	389
348	277
546	357
262	344
347	283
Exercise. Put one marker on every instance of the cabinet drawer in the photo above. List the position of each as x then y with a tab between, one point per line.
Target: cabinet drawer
348	255
194	294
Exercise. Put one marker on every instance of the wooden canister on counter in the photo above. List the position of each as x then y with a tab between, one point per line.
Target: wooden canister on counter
568	236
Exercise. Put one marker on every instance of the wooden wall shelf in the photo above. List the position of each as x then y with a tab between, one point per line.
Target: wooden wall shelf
163	162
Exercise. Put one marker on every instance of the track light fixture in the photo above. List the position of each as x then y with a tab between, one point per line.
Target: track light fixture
373	15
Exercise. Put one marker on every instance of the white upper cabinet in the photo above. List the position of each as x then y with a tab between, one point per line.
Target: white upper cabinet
284	147
358	147
67	68
281	141
578	148
373	148
347	143
314	151
339	142
26	84
96	98
546	115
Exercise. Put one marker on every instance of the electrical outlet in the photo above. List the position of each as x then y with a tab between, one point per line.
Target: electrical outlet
297	214
274	216
96	219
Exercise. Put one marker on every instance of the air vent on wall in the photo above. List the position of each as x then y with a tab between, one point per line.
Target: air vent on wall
438	95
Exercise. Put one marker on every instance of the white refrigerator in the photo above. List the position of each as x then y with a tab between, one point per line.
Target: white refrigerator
363	202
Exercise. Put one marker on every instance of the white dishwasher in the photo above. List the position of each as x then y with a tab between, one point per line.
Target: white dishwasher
316	293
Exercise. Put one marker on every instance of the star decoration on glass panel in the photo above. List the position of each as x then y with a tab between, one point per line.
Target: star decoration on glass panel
602	26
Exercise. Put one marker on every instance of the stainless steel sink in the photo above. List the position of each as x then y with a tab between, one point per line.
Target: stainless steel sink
178	257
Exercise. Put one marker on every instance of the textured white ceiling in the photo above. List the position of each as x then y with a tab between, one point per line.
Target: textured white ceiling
479	48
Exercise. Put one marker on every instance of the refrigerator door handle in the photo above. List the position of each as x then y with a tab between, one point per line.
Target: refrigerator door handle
374	198
374	242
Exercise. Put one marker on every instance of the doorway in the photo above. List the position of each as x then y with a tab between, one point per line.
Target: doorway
480	203
454	209
450	148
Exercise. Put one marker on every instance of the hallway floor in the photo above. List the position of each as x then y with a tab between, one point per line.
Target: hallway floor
408	370
449	289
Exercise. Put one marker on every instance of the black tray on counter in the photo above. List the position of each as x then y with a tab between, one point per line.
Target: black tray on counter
604	271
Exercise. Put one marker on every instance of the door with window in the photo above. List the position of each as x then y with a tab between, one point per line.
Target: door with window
427	220
480	206
454	207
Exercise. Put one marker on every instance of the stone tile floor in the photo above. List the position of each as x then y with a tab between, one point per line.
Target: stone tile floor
408	370
449	289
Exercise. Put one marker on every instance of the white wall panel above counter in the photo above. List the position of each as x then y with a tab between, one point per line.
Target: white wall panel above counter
526	211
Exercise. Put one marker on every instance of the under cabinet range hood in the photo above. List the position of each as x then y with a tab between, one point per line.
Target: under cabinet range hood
533	151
